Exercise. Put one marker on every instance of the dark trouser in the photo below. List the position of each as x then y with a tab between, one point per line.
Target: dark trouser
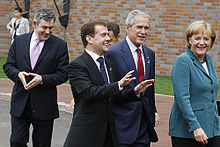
143	137
108	138
134	145
188	142
42	130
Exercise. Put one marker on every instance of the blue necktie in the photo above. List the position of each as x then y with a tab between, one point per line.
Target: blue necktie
102	69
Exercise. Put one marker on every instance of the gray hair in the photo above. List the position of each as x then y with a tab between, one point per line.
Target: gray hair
133	13
45	14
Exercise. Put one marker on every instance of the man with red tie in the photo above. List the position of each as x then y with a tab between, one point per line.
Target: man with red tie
135	121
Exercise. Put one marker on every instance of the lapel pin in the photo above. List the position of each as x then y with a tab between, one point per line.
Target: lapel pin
148	60
110	68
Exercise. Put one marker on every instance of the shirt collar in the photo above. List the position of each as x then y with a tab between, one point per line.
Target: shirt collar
93	55
132	46
34	37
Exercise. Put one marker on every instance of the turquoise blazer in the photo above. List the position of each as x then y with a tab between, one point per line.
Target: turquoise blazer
195	95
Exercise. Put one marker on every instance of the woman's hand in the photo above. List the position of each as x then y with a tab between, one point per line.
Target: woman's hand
11	31
200	136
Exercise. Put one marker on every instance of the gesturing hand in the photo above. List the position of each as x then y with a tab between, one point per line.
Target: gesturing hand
142	86
127	79
22	76
37	79
200	136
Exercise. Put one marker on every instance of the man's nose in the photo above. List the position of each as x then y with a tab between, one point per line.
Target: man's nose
47	30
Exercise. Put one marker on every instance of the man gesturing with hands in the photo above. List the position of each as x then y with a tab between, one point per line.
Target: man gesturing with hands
37	62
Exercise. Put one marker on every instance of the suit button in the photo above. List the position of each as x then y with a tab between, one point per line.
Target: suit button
212	92
213	101
211	82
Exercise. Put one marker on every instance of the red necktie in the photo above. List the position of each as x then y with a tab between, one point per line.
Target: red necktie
140	68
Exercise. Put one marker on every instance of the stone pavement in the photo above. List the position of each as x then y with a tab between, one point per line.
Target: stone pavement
61	126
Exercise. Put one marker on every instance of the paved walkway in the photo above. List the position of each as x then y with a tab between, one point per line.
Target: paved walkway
164	104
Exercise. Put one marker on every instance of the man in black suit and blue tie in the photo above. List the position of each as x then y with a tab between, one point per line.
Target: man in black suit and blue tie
95	89
37	62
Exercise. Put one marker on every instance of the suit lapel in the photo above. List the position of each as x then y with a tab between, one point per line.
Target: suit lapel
147	59
26	44
128	59
46	48
93	68
210	67
198	63
110	71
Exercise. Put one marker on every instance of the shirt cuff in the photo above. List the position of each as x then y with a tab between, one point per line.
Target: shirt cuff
119	87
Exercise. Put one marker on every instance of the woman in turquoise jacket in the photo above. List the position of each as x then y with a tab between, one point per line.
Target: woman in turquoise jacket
194	120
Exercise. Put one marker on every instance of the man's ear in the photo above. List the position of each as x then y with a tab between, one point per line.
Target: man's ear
119	37
34	24
89	39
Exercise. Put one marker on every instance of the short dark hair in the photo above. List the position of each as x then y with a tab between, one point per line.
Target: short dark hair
89	29
19	9
113	26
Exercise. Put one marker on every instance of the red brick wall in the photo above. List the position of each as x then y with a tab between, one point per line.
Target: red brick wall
169	21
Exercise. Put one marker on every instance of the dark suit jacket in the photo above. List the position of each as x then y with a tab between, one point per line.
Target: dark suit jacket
51	65
93	101
127	131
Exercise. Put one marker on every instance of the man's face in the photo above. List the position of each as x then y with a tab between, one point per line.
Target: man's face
101	40
113	40
139	31
44	29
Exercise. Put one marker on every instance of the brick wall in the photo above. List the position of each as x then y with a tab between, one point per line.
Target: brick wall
169	21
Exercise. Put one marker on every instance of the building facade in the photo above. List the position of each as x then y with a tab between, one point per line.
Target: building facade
169	20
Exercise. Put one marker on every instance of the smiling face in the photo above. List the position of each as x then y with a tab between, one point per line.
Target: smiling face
43	29
139	31
100	42
200	43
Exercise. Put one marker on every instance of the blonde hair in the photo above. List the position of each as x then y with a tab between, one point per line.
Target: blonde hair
199	26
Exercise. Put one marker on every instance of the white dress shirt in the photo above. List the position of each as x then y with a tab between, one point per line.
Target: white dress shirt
205	67
95	57
33	42
135	54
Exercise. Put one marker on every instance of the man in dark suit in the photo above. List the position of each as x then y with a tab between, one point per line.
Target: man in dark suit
37	62
135	120
94	90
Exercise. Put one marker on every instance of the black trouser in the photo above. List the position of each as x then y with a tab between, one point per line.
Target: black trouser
42	130
108	138
190	142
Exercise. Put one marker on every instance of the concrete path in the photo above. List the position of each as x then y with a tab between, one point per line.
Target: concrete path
164	104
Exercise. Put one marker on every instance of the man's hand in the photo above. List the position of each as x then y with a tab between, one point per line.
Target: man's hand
127	79
157	119
72	104
142	86
200	136
34	82
22	76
